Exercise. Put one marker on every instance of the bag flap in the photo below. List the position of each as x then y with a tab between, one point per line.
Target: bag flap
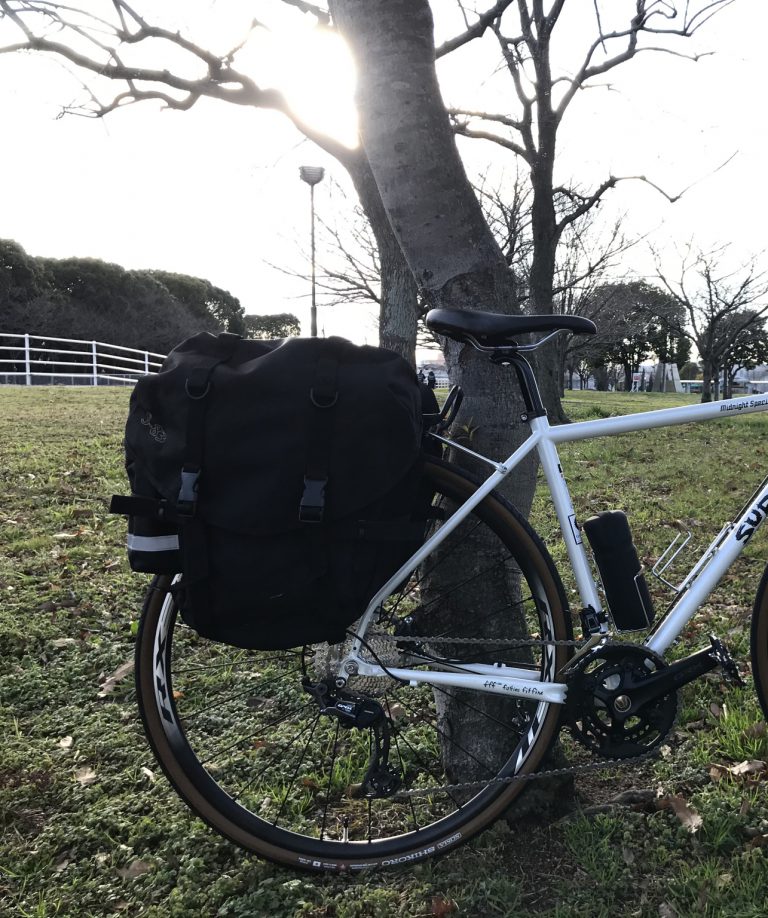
257	423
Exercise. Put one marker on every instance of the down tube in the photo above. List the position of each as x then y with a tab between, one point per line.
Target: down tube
668	630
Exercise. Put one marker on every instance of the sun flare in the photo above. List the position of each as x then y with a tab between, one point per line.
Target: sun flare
314	69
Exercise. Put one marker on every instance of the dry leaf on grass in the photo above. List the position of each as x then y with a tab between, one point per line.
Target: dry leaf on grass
752	770
442	906
85	775
117	676
757	730
755	767
134	869
58	643
65	742
688	817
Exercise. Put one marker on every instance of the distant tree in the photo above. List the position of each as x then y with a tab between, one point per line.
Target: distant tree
627	315
690	370
87	298
280	325
669	345
96	299
21	276
747	351
542	93
204	299
718	304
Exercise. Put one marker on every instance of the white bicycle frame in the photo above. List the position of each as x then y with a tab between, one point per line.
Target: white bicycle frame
544	438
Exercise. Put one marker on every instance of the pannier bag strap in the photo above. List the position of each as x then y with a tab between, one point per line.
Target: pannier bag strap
323	396
197	387
194	545
149	507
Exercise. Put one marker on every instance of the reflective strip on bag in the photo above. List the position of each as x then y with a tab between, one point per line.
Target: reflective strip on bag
153	543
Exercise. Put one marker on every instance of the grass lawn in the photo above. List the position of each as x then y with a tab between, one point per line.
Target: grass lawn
91	828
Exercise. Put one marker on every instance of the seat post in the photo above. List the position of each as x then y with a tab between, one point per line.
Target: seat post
510	356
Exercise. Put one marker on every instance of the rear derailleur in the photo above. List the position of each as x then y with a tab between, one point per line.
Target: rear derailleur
622	698
361	712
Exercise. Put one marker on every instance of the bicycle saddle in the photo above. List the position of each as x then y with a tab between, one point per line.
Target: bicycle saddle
492	329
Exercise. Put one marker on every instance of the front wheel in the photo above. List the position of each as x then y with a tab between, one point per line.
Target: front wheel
759	643
418	770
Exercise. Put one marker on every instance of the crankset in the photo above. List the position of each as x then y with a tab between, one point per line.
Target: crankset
602	710
622	698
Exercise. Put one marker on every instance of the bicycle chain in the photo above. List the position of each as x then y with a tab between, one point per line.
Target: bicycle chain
512	779
506	642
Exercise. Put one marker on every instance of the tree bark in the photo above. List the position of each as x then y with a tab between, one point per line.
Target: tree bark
399	306
545	238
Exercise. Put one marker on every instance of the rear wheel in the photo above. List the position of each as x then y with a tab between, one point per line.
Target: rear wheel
380	774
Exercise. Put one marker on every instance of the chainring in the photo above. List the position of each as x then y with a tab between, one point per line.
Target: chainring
600	711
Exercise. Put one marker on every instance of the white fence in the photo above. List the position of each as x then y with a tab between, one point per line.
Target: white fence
39	360
29	360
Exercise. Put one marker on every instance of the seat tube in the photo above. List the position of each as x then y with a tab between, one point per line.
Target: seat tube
566	515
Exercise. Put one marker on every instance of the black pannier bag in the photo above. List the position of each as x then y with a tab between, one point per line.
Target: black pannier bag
282	479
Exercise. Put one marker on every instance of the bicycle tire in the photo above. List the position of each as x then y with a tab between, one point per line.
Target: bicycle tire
237	797
759	643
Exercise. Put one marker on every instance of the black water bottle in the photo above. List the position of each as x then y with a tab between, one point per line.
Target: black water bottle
626	591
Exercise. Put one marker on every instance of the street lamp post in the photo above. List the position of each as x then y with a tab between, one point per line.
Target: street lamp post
312	175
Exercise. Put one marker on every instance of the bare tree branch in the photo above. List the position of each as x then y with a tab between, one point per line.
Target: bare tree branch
484	22
217	78
463	129
322	15
721	305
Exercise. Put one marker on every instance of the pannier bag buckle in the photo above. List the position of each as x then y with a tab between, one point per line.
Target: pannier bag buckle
185	503
313	500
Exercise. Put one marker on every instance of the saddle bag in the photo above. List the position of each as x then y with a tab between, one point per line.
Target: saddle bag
282	480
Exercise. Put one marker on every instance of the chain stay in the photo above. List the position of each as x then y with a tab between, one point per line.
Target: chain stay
512	779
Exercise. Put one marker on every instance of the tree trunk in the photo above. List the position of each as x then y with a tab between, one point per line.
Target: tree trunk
451	251
399	308
601	379
430	204
561	350
545	233
706	388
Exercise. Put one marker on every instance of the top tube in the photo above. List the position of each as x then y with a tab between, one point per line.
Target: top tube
664	417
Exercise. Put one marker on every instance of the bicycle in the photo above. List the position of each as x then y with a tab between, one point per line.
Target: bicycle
351	757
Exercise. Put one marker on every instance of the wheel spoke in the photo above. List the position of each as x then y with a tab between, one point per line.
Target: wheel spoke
330	780
253	736
248	691
296	771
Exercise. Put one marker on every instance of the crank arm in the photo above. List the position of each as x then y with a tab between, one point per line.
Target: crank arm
672	677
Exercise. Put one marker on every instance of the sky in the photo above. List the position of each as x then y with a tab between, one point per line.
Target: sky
215	191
